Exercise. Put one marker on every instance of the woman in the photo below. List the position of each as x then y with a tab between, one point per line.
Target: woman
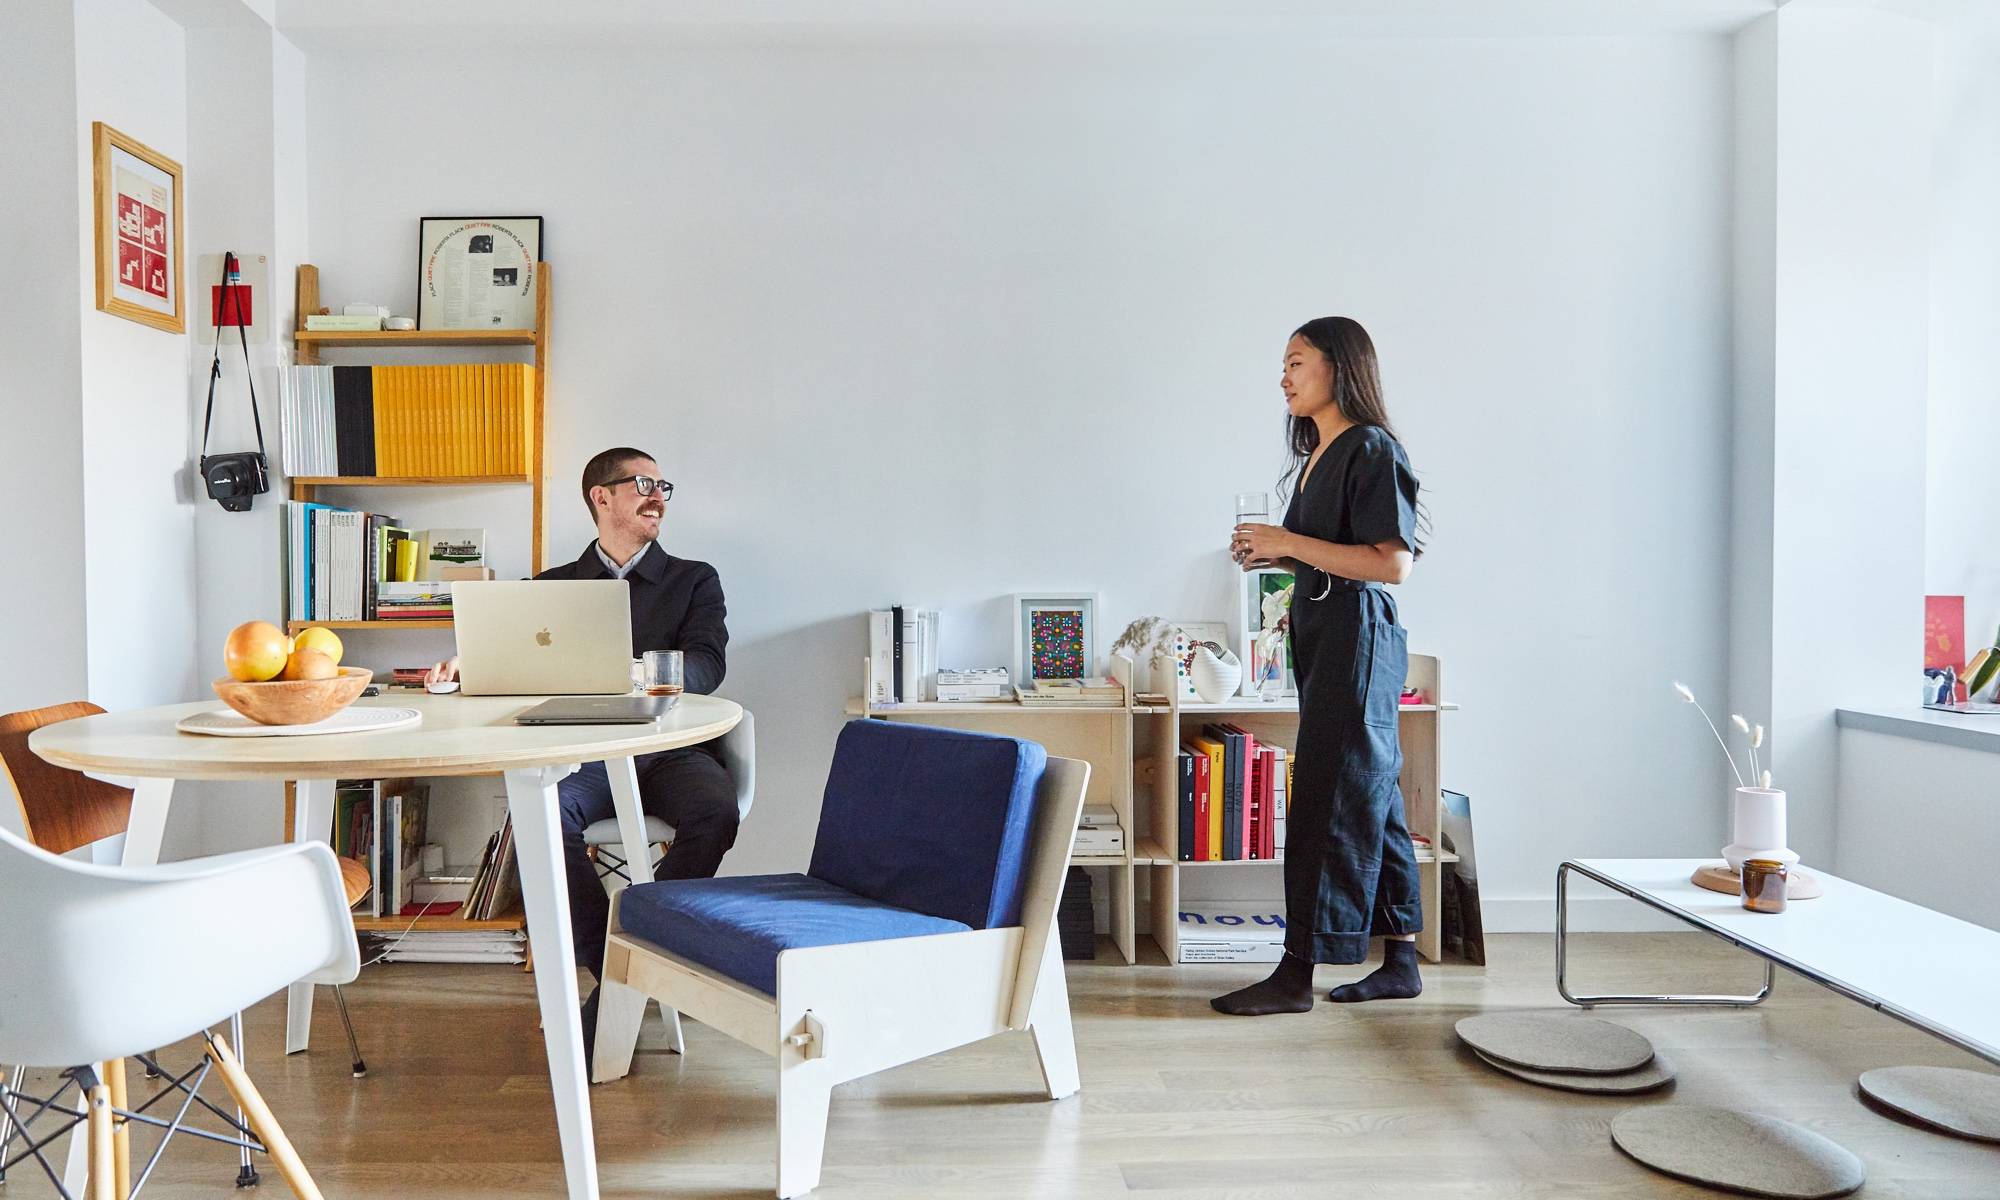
1351	527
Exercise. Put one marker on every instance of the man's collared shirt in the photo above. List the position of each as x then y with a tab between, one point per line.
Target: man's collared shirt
618	572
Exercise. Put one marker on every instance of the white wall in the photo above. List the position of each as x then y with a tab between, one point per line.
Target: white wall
1962	516
138	537
1931	827
937	323
41	434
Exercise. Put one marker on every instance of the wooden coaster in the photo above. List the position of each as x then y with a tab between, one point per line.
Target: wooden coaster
1717	877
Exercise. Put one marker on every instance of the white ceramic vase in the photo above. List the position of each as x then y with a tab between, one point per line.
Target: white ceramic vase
1757	828
1215	678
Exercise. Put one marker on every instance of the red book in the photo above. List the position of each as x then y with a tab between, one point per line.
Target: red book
1266	828
1200	805
1249	801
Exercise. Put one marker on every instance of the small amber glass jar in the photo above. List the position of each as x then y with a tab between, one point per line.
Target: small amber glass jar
1764	885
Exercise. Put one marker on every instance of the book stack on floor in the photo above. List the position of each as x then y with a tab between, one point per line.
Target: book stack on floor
475	893
1095	692
902	654
347	565
1098	833
495	890
1231	933
1076	917
460	419
976	684
1233	795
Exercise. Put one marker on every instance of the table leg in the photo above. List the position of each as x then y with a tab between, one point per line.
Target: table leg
535	808
1562	953
624	776
312	821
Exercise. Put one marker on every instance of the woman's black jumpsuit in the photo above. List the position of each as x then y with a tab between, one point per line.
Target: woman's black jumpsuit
1350	872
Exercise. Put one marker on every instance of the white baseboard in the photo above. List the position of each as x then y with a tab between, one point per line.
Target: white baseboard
1587	914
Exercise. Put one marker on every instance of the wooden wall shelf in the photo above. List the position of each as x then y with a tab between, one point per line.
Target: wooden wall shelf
415	337
405	623
405	480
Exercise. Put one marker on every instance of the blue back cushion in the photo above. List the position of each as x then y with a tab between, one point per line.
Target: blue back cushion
933	820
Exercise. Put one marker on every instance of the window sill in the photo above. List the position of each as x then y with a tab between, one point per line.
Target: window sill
1973	732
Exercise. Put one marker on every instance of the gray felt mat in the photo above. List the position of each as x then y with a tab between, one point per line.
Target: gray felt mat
1737	1151
1655	1074
1962	1103
1544	1041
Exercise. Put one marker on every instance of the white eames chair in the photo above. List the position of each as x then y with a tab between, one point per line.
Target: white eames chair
209	937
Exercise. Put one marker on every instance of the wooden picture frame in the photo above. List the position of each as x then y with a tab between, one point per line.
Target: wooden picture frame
137	200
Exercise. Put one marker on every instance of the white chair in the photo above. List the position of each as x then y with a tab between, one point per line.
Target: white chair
209	937
927	921
738	750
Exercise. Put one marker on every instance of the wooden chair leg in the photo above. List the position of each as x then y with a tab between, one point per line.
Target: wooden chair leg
121	1131
276	1144
103	1175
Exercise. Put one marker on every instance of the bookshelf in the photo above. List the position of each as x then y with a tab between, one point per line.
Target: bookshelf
312	347
1131	750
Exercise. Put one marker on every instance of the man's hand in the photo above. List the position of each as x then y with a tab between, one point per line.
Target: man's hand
443	672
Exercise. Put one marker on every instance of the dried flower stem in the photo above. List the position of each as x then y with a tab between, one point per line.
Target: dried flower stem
1688	695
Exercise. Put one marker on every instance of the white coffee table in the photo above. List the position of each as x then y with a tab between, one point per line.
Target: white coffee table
1923	968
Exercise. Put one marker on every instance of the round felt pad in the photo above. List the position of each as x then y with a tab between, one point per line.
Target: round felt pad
1738	1151
1543	1041
1655	1074
1962	1103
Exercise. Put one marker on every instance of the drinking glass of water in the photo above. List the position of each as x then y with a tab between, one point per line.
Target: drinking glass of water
663	675
1253	508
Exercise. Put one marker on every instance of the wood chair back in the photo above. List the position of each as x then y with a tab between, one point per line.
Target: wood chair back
60	808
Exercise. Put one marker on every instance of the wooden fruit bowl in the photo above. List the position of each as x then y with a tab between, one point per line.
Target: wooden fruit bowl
294	702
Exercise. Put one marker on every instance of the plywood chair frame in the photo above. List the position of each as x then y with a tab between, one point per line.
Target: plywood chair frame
845	1011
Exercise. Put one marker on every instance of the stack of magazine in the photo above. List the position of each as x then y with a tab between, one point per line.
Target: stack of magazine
1095	692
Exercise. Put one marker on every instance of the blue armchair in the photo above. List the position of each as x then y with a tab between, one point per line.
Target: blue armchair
925	921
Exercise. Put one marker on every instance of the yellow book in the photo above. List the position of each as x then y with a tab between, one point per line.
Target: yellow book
435	434
524	412
388	451
461	420
482	441
1213	749
506	378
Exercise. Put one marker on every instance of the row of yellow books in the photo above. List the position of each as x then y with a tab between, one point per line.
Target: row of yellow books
450	420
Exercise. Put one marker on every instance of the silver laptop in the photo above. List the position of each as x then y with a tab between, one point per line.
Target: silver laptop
562	637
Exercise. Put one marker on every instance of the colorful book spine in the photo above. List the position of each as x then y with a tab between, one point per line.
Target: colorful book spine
1184	762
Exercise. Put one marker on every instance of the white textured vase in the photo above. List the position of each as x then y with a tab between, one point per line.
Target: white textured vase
1214	678
1757	828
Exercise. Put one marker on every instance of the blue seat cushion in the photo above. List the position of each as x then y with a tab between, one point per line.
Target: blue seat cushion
933	820
738	925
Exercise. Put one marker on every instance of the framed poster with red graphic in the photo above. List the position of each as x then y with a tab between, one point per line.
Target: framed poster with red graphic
138	199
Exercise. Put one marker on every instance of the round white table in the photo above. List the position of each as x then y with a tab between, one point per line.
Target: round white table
458	735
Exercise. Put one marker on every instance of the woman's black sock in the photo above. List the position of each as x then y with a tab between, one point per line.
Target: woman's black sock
1395	979
1288	990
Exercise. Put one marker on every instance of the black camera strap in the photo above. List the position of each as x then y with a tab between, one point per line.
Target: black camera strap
231	303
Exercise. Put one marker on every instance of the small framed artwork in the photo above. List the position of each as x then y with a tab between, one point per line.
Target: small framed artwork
1055	636
477	272
1263	633
137	195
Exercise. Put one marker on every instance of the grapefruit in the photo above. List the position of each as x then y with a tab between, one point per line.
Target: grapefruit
255	651
316	637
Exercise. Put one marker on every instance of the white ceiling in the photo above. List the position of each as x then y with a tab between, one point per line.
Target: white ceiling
332	23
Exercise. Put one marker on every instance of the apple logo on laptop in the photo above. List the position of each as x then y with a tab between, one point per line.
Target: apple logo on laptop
542	637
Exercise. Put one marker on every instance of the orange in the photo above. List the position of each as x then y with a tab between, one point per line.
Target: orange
309	664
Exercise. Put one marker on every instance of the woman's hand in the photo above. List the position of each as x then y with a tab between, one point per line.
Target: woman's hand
1258	546
443	672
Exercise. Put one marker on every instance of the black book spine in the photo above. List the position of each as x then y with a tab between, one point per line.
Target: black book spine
1185	849
364	416
897	657
346	396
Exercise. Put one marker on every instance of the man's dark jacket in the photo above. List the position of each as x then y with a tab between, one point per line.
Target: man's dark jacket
676	605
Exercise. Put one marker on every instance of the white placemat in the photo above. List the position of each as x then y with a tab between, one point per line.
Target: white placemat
227	722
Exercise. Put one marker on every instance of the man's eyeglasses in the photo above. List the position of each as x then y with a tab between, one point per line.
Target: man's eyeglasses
644	485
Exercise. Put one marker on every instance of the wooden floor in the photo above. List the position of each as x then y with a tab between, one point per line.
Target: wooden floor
1177	1102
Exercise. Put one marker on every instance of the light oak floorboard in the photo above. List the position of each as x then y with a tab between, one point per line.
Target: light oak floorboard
1178	1103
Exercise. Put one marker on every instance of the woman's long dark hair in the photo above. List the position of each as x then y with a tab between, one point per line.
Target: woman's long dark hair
1357	389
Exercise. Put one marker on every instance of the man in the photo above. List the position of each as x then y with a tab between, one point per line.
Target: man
676	605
